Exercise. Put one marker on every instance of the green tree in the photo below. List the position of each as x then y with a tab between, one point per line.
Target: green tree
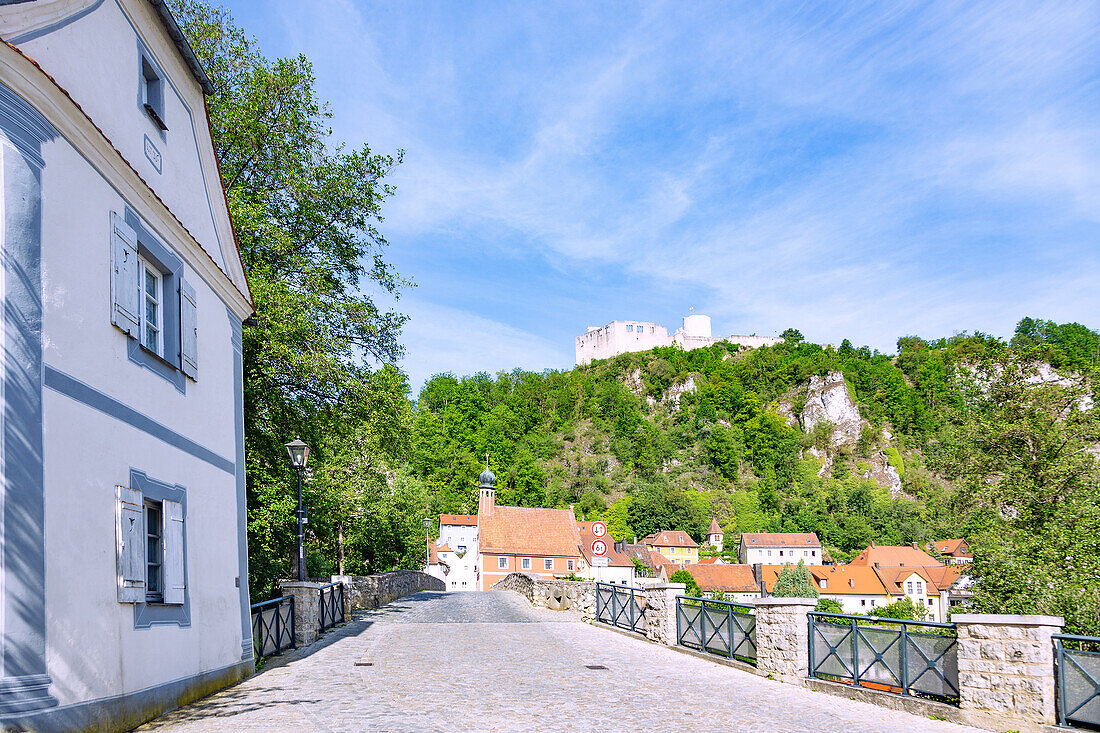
829	605
685	577
794	581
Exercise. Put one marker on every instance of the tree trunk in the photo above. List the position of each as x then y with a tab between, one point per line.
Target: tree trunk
340	548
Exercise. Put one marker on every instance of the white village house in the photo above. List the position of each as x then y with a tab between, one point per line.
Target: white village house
124	584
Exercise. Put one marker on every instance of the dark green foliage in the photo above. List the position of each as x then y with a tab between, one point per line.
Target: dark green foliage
683	576
829	605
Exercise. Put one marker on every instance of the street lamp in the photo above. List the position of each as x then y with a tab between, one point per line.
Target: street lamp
427	545
299	454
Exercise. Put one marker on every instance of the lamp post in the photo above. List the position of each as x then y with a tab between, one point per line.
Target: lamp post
427	545
299	454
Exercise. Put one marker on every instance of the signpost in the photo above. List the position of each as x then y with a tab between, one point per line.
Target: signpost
599	547
599	562
599	554
599	529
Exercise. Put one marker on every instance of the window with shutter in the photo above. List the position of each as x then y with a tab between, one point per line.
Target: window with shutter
189	330
173	565
130	531
125	277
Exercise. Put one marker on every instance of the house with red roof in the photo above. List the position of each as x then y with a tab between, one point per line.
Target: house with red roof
456	552
769	548
675	545
512	539
955	551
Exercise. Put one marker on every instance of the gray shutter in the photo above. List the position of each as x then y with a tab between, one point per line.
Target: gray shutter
174	581
125	278
189	330
130	530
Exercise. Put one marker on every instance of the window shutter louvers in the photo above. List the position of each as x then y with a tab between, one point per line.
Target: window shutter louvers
189	330
174	582
125	278
130	530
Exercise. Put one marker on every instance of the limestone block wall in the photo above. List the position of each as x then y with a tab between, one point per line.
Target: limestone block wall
307	609
1006	666
783	637
373	591
557	595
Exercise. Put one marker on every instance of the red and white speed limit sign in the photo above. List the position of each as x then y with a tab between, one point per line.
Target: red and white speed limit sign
599	529
599	548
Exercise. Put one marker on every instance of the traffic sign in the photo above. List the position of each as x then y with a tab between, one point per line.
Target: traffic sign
599	562
599	529
599	548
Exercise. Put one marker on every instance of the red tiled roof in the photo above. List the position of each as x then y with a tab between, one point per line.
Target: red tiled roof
444	548
670	538
710	561
903	556
726	578
615	558
780	539
714	528
466	520
954	548
515	530
855	580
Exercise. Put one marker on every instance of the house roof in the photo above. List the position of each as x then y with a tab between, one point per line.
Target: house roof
711	561
714	528
726	578
955	548
890	555
856	580
615	558
780	539
466	520
512	530
670	538
443	548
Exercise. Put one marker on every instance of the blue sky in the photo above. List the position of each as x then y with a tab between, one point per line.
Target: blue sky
860	172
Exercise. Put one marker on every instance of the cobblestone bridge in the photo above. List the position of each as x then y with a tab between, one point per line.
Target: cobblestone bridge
488	661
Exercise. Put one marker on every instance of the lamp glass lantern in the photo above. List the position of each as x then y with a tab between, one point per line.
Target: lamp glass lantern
427	523
299	454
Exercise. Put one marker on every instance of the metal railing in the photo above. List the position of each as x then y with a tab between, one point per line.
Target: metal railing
272	626
894	655
621	606
718	627
332	605
1078	674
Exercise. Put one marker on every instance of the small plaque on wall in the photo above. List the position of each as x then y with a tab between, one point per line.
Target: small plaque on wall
152	154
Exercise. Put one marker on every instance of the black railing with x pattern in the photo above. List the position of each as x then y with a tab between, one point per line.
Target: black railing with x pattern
1077	662
332	605
621	606
716	626
904	657
272	626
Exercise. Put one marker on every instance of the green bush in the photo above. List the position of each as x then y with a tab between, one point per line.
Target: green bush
795	581
829	605
683	576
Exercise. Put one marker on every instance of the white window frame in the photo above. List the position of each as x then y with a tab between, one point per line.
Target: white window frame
502	563
548	564
158	300
525	564
569	565
909	587
920	588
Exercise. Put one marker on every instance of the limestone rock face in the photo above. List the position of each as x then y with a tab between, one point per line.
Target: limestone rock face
828	399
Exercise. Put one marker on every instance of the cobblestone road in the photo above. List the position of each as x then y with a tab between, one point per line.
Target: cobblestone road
488	661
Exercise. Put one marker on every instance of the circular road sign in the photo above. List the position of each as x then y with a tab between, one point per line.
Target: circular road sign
599	548
599	529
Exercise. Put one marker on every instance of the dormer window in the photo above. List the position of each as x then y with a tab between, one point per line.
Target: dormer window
152	92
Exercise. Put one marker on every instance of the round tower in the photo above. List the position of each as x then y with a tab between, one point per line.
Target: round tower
487	498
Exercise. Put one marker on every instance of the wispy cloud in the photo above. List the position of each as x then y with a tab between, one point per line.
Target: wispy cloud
858	171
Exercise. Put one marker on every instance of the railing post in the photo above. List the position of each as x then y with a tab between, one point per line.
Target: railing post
904	675
614	607
679	634
811	667
1060	679
855	652
293	625
1006	669
632	609
278	629
729	630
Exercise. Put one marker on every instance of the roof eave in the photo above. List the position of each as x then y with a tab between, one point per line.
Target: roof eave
183	45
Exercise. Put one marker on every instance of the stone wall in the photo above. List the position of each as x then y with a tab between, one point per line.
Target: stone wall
783	637
372	591
1006	667
557	595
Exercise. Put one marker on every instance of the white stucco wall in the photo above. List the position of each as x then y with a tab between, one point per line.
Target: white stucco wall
764	555
463	570
93	649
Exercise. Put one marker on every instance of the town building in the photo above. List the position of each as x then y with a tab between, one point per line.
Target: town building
857	588
955	552
770	548
675	545
542	542
624	337
615	567
715	535
124	578
457	547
